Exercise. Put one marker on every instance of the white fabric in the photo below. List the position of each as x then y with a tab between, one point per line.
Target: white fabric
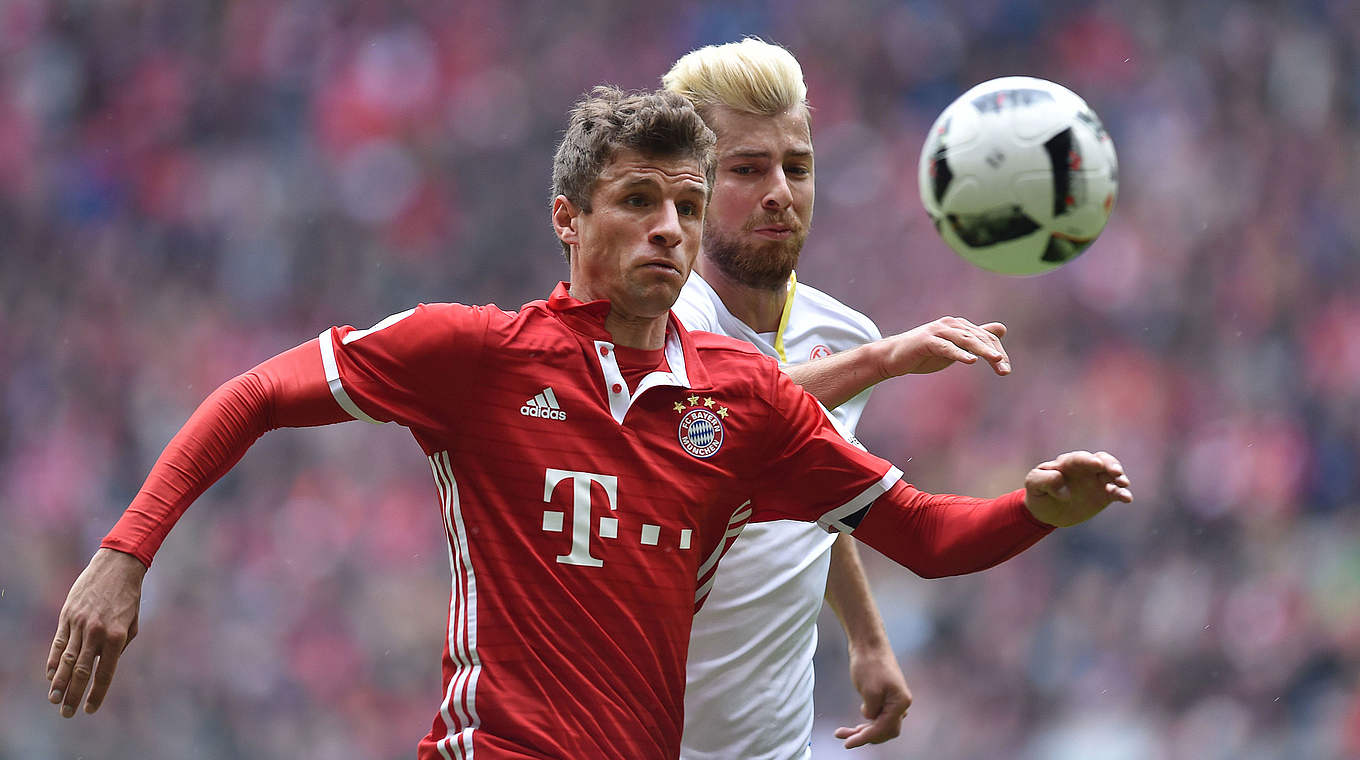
749	675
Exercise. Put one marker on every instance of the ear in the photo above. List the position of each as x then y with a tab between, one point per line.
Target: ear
564	218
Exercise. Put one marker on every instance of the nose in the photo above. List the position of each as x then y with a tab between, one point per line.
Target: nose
778	196
666	229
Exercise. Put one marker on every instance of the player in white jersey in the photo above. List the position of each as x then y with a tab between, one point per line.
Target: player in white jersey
749	677
749	674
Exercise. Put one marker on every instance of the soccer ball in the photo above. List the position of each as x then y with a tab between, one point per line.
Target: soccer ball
1018	175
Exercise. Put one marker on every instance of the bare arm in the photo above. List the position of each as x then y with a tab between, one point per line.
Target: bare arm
929	348
873	666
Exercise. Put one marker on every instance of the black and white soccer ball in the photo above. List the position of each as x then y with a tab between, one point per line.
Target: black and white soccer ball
1019	175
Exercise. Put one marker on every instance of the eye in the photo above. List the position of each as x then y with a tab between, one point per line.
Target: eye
636	201
743	171
798	171
687	208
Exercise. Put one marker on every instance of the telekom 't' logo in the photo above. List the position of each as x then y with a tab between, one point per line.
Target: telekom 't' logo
580	513
646	534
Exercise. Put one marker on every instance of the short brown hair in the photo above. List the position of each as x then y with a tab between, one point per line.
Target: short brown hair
658	124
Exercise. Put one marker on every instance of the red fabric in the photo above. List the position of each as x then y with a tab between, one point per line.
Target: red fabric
288	390
636	363
935	535
579	544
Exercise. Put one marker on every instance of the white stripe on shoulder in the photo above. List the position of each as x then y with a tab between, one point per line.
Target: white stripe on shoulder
386	322
333	379
836	519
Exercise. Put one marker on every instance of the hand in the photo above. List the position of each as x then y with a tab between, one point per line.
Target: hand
880	683
1075	487
97	622
936	345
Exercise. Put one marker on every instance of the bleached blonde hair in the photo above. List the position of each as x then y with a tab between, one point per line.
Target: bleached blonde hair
751	76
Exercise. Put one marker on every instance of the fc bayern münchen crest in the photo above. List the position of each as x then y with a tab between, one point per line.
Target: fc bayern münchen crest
701	433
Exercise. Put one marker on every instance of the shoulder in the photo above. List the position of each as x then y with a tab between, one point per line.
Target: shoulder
715	347
736	364
426	328
826	308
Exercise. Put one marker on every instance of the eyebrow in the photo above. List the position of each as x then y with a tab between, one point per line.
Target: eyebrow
688	185
758	153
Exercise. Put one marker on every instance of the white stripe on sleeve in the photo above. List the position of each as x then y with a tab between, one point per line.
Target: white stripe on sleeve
833	520
333	380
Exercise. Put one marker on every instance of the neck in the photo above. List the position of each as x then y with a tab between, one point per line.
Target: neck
636	332
627	330
757	308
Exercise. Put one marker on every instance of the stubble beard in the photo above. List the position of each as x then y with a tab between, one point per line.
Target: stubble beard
763	266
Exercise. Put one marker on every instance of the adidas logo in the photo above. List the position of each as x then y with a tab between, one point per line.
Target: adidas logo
543	406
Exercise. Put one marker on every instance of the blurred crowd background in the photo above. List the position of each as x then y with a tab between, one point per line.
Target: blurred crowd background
189	187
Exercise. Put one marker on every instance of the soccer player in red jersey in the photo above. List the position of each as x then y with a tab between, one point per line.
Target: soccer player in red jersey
592	462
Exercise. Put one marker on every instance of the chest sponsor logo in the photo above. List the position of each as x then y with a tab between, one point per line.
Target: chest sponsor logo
585	534
819	351
544	406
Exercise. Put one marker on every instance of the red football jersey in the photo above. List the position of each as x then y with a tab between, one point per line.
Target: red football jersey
585	505
585	520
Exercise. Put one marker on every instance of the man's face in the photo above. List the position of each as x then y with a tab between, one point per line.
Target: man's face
639	241
762	200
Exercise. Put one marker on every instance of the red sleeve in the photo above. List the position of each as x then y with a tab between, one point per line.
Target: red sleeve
935	535
814	472
288	390
414	368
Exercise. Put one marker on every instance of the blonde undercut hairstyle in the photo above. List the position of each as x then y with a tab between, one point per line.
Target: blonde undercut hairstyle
751	76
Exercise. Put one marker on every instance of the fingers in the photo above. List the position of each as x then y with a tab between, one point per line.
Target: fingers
1101	464
872	705
66	662
885	709
888	725
1113	468
80	674
58	647
950	349
845	732
982	341
854	737
84	655
73	673
1048	478
103	675
1103	467
1119	494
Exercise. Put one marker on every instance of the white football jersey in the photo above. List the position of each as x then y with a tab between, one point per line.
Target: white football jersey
749	677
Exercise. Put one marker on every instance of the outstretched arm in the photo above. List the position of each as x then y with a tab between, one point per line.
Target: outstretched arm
99	617
873	666
925	349
935	535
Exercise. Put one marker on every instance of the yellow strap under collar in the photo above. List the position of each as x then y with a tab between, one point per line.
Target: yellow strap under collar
784	318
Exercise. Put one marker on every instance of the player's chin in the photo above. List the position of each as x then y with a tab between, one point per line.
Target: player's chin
777	255
658	292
